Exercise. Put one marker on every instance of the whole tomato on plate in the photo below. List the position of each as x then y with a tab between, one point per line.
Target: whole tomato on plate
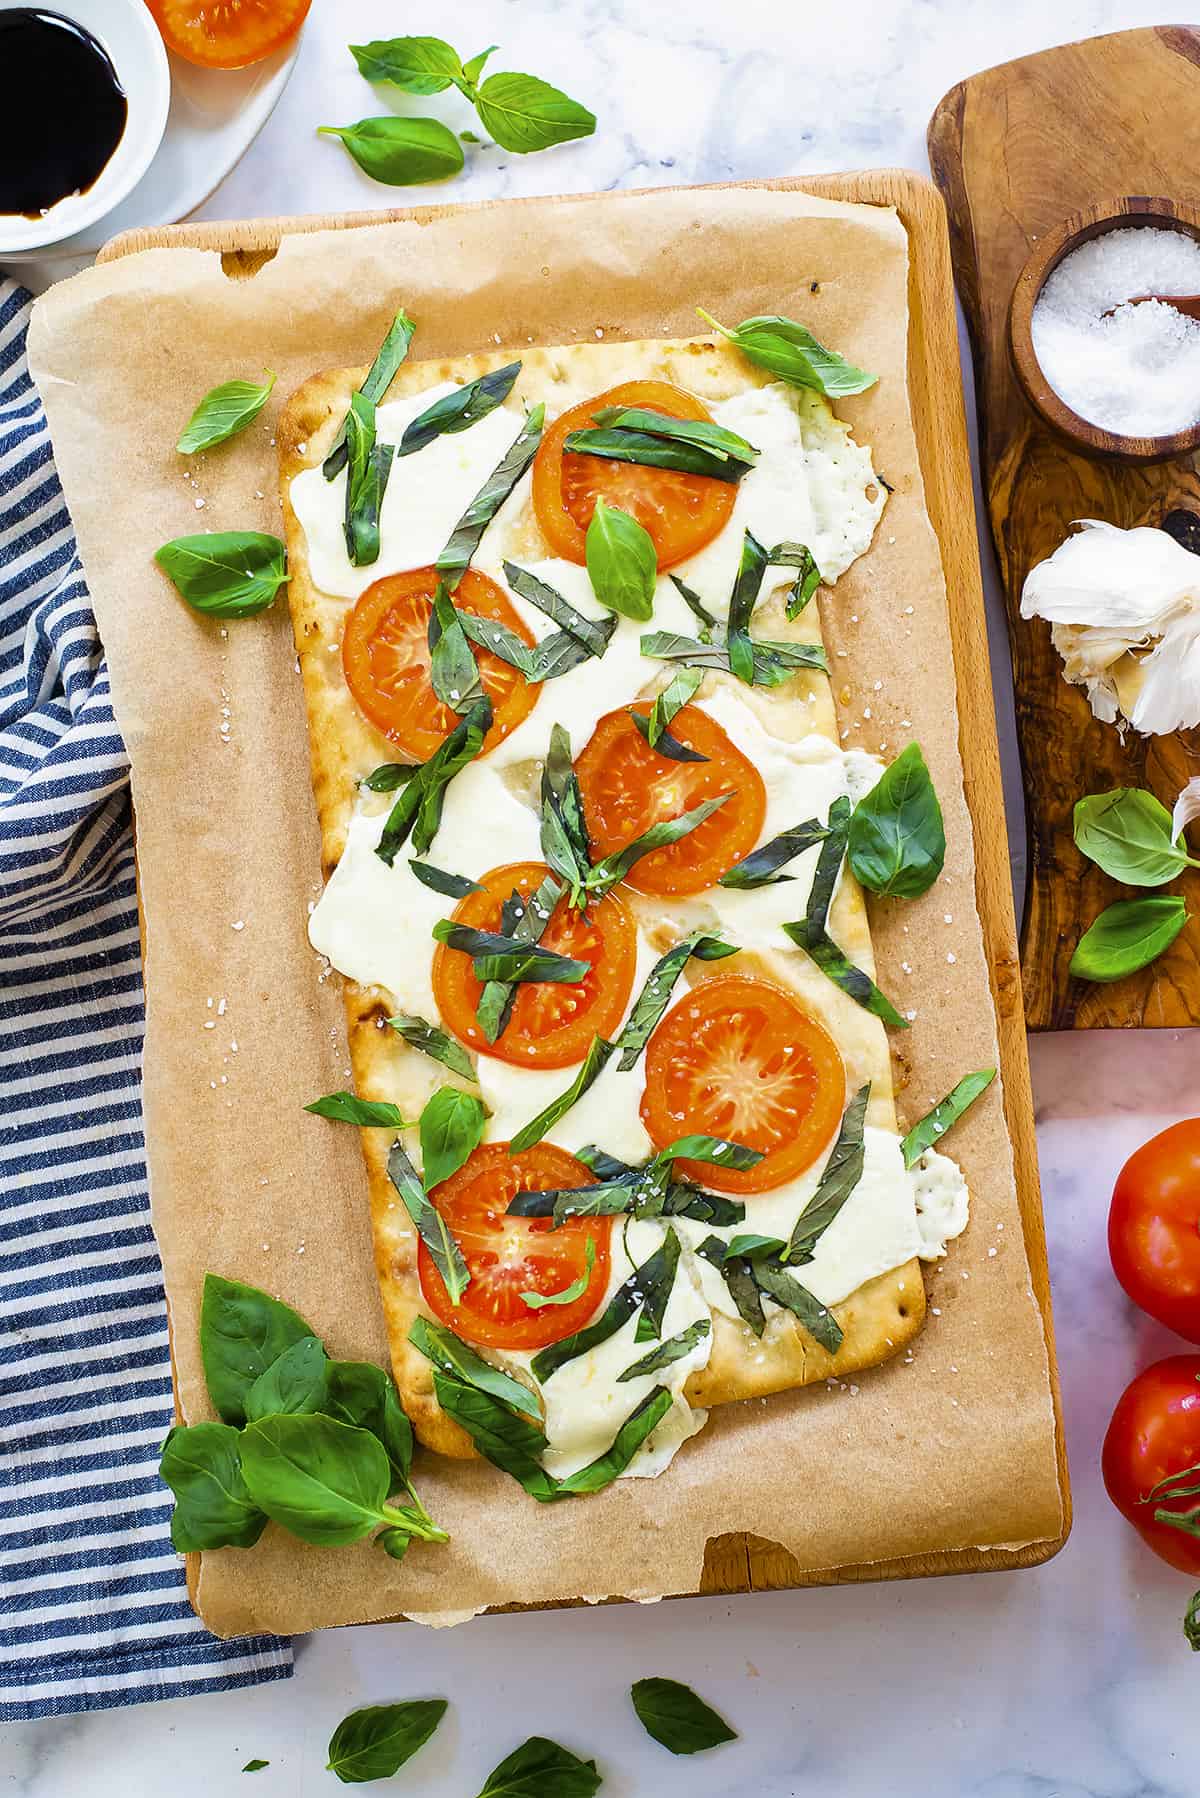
227	34
1154	1228
1151	1459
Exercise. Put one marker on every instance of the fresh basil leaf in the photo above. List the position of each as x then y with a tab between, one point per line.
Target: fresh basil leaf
1127	832
564	836
375	1742
615	444
453	670
673	1349
742	601
933	1126
791	352
226	574
622	562
459	410
390	776
523	921
596	633
651	1003
625	1301
451	1130
642	1422
896	841
464	539
657	1280
242	1331
439	880
418	811
840	1175
1127	936
590	1068
786	1290
293	1383
735	1272
434	1042
717	1151
418	65
504	1437
752	1247
213	1506
674	1716
361	1394
523	113
369	464
324	1481
704	618
368	1114
429	1223
460	1361
541	1769
612	869
400	152
223	412
505	958
701	432
855	982
808	575
759	868
537	1301
379	377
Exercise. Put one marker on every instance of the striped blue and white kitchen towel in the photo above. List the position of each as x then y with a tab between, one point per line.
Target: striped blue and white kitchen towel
93	1605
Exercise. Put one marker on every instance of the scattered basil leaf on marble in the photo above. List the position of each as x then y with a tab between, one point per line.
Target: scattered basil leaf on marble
610	870
461	1362
213	1505
522	113
255	1766
226	574
596	633
440	880
430	1225
418	811
622	562
1127	832
418	65
651	1003
400	152
791	352
840	1175
459	410
242	1332
464	539
808	575
674	1716
327	1482
431	1040
1127	936
761	867
292	1384
379	377
537	1301
775	1280
451	1130
223	412
390	776
453	671
928	1132
368	1114
591	1067
375	1742
896	841
674	1349
473	69
737	1275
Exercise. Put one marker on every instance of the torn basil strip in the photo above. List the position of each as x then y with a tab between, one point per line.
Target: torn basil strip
379	377
459	410
453	670
658	1279
555	655
612	869
673	1349
642	1422
564	836
739	1280
786	1290
680	689
666	744
418	811
717	1151
524	921
458	1358
430	1225
750	1246
761	867
933	1126
599	1055
368	1114
841	1174
619	443
507	958
644	1282
438	880
702	432
596	633
430	1040
808	575
854	981
651	1003
464	539
508	1439
772	662
369	464
742	601
389	776
696	606
537	1301
829	866
623	1194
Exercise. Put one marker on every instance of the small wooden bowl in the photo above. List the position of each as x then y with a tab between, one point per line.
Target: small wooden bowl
1107	215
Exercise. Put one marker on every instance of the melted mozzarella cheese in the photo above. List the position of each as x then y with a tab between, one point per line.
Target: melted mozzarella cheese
942	1202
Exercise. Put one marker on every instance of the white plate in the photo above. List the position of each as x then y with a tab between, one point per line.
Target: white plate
215	116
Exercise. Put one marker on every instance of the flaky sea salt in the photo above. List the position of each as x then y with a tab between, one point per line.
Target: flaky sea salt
1137	371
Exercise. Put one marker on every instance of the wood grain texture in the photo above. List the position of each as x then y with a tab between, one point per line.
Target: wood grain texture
739	1563
1015	151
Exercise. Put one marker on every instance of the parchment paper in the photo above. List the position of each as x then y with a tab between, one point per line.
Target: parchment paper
950	1448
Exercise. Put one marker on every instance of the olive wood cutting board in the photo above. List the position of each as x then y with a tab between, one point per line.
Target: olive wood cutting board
741	1563
1015	151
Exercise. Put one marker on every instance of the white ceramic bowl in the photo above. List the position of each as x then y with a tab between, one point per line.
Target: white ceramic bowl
128	33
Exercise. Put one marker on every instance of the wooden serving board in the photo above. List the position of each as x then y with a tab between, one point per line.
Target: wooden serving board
1015	151
740	1563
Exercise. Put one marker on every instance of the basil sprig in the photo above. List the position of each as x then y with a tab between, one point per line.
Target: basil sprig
841	1174
594	633
811	934
226	574
654	728
1127	936
459	410
368	1114
672	1350
369	464
651	1003
525	921
223	412
324	1481
429	1223
933	1126
896	840
1127	832
646	1290
418	65
791	352
418	811
453	670
201	1463
521	112
379	377
430	1040
599	1054
400	152
464	539
375	1742
674	1716
688	446
451	1129
542	1769
622	562
761	867
537	1301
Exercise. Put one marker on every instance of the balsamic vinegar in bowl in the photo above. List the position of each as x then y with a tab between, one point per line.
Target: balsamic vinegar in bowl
63	110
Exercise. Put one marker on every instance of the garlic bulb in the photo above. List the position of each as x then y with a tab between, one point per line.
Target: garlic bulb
1124	611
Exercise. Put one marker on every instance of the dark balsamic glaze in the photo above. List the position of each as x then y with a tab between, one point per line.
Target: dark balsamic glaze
62	110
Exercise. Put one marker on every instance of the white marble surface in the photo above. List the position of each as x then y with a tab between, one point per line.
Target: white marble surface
1071	1681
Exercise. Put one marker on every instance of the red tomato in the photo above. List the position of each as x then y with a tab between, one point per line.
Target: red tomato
507	1256
227	34
682	512
1155	1433
627	787
1154	1227
738	1057
552	1024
